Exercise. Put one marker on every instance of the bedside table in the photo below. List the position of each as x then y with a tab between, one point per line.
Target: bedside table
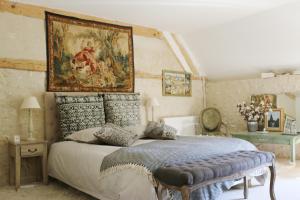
26	149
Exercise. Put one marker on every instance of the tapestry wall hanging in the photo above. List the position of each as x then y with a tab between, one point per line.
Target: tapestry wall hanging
176	83
89	56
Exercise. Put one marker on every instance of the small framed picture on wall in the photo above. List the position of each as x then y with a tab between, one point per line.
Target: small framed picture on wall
265	99
176	83
274	120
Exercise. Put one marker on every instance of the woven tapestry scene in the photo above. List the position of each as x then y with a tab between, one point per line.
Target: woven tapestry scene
88	56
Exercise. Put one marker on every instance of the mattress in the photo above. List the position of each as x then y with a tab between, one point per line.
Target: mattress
78	165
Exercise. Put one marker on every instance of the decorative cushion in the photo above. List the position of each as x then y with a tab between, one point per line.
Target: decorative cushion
79	112
157	130
122	109
137	129
115	135
85	135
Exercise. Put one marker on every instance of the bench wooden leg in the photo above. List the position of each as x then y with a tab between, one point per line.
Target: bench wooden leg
272	181
246	190
185	193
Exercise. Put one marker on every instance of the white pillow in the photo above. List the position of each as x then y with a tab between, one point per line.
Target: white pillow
85	135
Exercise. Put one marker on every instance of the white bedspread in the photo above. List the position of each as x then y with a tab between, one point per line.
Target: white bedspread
78	165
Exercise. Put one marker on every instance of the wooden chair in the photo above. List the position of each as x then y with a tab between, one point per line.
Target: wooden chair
212	123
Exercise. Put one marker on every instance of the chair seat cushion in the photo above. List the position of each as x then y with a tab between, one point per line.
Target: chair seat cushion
198	171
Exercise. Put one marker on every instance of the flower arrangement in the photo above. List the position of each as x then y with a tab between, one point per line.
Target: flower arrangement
254	112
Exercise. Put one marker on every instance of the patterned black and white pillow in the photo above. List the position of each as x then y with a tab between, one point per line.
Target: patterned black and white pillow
137	129
79	112
84	136
115	135
162	131
122	109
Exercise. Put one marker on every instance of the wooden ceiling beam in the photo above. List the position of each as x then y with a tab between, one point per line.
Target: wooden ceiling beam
40	66
23	64
39	13
185	54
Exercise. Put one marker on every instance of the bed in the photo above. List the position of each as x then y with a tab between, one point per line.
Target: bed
79	164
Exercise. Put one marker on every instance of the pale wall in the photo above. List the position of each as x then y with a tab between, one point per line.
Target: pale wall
226	94
24	37
288	103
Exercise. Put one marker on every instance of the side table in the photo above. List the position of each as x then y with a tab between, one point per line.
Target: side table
26	149
271	138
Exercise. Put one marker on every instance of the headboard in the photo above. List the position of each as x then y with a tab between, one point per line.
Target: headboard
51	117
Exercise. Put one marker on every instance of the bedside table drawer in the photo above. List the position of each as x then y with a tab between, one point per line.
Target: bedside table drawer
32	150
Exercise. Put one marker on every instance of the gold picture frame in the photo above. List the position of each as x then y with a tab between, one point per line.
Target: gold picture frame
266	98
88	56
274	120
176	83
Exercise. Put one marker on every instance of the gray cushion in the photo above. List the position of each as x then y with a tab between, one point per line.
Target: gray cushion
218	166
114	135
137	129
79	112
162	131
122	109
84	136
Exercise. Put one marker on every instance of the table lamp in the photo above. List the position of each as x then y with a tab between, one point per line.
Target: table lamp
153	103
29	104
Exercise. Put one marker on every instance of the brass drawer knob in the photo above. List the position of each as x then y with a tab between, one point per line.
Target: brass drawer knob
32	150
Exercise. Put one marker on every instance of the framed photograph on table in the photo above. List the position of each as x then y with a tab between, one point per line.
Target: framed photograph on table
274	120
290	126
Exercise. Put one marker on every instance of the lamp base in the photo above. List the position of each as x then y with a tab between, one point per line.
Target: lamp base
30	139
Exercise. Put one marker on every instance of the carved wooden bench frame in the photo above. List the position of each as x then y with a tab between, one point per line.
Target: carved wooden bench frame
186	190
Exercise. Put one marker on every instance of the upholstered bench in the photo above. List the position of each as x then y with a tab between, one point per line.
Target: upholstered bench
189	176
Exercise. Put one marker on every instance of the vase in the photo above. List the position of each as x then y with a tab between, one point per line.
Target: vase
252	126
261	125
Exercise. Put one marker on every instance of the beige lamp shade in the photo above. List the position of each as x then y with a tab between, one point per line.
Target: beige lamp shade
153	102
30	103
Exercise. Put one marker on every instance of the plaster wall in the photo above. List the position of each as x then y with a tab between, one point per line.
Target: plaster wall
225	95
298	112
288	103
24	38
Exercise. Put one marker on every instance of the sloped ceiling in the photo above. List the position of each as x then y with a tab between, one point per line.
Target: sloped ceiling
266	42
209	27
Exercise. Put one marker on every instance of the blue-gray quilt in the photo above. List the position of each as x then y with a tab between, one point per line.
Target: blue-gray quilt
159	153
